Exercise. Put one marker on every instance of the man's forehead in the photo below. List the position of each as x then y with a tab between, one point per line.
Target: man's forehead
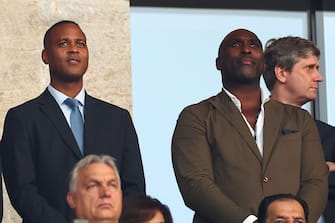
67	29
98	169
285	204
308	60
241	34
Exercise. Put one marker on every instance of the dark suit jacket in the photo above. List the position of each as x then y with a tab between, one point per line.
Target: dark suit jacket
327	135
38	152
1	197
221	173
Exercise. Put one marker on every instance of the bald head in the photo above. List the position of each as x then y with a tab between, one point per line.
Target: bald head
236	32
240	59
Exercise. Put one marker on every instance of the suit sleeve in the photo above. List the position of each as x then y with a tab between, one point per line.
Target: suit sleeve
132	174
327	135
331	177
314	171
192	163
19	171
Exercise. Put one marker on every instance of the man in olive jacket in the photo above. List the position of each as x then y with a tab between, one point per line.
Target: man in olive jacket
233	149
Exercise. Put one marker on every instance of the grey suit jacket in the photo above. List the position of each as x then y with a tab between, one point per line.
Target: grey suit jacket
221	173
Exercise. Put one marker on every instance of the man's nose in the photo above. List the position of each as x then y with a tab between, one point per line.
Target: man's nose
319	77
105	191
73	48
246	48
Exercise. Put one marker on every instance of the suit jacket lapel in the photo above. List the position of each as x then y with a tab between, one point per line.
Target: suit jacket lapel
228	109
50	108
91	125
272	129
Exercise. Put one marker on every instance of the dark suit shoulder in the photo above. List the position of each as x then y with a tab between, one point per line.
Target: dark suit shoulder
30	105
106	114
326	131
201	108
104	105
327	136
325	128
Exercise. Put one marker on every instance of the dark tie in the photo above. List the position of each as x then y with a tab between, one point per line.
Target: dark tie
76	122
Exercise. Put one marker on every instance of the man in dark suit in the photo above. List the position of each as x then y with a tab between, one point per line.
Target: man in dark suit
38	147
292	76
233	149
1	196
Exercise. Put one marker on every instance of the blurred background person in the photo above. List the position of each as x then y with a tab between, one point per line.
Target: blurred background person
282	208
144	209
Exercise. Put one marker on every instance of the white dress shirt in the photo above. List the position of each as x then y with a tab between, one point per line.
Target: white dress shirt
257	133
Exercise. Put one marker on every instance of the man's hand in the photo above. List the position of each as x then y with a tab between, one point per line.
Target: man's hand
331	166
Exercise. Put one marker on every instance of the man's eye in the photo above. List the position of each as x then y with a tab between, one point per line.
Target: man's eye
113	185
63	44
254	45
91	186
81	44
236	44
311	68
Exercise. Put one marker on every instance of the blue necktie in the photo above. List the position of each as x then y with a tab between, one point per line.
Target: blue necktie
76	122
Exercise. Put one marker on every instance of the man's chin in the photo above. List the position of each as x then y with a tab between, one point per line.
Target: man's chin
73	78
105	215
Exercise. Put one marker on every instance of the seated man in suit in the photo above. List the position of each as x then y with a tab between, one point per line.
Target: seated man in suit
282	208
95	190
292	76
45	137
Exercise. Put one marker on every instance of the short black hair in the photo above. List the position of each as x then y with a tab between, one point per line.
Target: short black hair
265	203
48	32
142	208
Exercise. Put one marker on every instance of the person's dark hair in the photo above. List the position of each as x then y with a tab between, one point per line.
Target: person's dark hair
49	31
285	53
265	203
140	209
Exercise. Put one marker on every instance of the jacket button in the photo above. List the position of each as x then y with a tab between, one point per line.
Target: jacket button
265	179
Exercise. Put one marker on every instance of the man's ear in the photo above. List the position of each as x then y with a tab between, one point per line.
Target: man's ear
281	74
218	63
70	197
44	56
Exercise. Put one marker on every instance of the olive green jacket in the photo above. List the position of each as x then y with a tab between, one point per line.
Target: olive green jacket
221	173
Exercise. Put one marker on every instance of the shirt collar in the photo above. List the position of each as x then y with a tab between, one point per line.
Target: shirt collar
264	98
60	97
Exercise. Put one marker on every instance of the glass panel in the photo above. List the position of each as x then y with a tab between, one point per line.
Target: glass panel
329	47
